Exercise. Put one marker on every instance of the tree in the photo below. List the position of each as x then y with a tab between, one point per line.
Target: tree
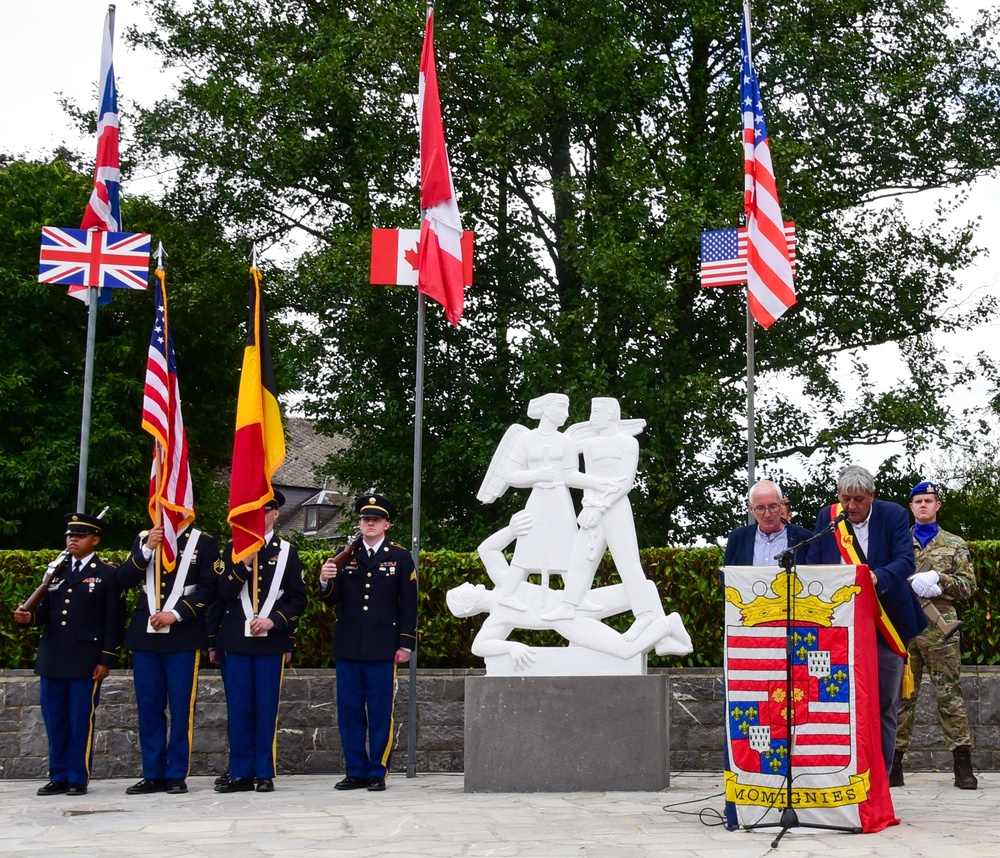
42	348
591	144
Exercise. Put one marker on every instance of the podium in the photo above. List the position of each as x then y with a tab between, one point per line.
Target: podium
820	621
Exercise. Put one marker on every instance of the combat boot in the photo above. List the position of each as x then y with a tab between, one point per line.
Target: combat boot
896	772
964	778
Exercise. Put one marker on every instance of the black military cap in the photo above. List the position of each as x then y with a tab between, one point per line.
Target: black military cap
375	506
277	502
82	524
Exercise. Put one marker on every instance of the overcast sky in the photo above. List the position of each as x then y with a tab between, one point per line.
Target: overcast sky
53	46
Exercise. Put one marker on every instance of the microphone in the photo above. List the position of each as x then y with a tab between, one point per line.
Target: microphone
832	526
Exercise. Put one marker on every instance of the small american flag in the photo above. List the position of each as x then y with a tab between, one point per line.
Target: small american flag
171	497
724	255
93	257
769	271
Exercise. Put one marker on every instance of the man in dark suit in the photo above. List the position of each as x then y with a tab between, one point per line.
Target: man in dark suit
253	639
166	636
376	597
83	613
876	533
760	544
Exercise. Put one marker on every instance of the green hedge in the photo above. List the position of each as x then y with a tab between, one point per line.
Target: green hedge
686	578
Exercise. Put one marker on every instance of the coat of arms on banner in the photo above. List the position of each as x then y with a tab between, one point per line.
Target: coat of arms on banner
806	718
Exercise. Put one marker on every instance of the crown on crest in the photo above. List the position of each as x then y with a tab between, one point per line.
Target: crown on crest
807	609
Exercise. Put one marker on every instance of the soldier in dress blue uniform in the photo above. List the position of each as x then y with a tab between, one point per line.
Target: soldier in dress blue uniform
83	615
166	636
253	644
376	598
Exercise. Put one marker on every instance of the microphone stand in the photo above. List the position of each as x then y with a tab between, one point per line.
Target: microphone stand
789	817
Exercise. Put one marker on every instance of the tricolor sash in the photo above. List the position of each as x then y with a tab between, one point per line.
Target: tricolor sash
853	555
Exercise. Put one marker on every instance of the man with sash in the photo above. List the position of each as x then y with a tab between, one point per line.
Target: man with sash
375	593
255	633
760	544
944	577
876	534
83	614
166	636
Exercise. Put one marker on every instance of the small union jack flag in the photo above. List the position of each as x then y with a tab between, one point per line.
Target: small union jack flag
81	257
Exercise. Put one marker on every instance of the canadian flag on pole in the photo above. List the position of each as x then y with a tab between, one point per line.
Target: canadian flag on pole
440	250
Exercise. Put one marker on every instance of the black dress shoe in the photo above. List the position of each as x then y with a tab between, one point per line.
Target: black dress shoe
54	788
176	786
77	789
222	780
351	782
265	785
236	785
147	786
376	784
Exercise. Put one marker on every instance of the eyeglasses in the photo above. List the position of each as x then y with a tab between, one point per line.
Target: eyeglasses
760	509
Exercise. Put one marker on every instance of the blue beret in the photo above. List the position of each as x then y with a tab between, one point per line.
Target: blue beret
924	488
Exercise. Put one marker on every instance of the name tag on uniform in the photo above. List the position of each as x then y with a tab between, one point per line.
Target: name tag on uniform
149	628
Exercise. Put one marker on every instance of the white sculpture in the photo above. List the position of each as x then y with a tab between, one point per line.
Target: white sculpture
548	463
548	540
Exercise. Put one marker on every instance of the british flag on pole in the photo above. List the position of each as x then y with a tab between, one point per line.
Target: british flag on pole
817	718
104	207
98	254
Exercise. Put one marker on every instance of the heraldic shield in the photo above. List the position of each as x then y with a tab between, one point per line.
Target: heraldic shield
828	732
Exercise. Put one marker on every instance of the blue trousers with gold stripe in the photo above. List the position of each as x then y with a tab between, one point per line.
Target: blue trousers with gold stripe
165	680
253	686
68	707
365	693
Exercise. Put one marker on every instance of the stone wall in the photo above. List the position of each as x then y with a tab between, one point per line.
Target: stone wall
308	741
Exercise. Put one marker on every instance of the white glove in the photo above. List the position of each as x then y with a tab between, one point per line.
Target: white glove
925	584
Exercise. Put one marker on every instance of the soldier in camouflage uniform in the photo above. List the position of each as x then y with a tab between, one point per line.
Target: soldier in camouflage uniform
944	575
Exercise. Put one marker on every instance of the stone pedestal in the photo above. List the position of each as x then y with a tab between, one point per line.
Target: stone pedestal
567	734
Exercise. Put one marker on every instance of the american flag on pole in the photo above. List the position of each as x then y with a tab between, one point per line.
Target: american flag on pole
92	257
724	255
769	270
440	249
171	496
821	721
104	209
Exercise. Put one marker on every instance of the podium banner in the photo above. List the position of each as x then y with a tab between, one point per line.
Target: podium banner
829	731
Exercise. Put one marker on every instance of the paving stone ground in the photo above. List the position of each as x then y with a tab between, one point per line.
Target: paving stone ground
431	815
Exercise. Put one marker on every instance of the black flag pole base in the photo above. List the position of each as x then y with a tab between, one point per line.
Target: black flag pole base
790	819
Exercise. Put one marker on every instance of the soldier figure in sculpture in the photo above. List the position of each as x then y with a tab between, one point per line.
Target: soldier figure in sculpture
610	453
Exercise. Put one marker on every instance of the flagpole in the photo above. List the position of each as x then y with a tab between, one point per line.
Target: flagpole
751	428
88	392
418	422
